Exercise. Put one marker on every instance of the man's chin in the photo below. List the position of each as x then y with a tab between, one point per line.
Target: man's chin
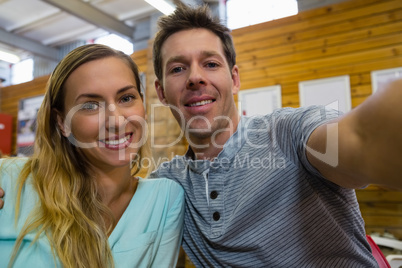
199	133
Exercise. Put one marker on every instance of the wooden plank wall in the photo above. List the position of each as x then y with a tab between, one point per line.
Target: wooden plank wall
350	38
381	210
141	58
11	95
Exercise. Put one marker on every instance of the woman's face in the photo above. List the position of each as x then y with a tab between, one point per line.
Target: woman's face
104	113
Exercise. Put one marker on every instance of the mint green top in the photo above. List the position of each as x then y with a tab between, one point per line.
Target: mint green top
148	234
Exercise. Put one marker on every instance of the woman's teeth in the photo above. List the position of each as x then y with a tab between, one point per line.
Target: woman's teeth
119	141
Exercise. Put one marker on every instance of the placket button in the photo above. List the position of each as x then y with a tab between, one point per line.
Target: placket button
216	216
214	194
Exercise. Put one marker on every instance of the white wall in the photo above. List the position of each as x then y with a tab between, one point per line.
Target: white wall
311	4
5	72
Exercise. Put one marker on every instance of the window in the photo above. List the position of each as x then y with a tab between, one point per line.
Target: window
116	42
22	71
242	13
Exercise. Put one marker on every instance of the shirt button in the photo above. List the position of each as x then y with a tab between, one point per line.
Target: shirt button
216	216
214	194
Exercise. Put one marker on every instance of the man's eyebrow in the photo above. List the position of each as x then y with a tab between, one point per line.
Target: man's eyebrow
97	96
175	59
204	53
210	54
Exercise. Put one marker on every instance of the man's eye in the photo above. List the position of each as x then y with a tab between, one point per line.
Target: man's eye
212	64
177	69
90	106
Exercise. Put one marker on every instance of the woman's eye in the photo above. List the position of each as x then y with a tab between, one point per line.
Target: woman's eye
90	106
127	98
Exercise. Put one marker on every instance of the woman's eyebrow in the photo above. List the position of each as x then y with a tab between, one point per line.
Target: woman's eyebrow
97	96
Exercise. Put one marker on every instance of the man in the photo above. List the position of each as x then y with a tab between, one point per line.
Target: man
275	190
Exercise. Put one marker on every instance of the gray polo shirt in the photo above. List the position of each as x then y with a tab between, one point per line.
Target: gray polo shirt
261	204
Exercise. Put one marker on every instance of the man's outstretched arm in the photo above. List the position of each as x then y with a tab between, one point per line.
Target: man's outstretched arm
365	145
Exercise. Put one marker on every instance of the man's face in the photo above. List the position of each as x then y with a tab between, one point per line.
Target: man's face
197	82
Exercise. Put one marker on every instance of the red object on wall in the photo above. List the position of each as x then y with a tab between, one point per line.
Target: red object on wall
5	133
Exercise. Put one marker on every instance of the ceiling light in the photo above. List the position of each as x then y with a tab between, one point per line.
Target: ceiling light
162	6
11	58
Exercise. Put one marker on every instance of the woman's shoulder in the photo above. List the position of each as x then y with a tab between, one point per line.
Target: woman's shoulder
162	188
163	183
11	167
13	161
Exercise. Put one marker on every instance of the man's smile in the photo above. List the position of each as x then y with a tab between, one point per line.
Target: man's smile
199	103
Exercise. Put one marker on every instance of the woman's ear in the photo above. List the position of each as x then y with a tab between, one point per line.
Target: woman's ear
65	130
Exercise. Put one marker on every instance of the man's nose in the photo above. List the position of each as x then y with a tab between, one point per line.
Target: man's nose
196	78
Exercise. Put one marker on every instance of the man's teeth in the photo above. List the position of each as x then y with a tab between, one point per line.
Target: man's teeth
199	103
119	141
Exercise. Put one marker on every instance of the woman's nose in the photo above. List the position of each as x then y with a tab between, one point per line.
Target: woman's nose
115	120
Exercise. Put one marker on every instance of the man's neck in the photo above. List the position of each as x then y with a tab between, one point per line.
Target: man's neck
208	148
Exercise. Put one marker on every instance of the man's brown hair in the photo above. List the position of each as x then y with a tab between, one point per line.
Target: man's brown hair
187	18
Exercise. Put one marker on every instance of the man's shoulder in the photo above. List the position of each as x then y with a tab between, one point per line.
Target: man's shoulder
166	169
291	112
288	116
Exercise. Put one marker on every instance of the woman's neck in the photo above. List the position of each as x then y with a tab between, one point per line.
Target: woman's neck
116	188
113	184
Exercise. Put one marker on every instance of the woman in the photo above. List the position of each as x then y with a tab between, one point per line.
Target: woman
76	202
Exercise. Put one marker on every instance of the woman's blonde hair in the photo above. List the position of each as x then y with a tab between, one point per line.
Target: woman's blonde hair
70	212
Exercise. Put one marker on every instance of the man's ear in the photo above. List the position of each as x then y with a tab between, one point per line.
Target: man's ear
64	130
160	91
235	80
